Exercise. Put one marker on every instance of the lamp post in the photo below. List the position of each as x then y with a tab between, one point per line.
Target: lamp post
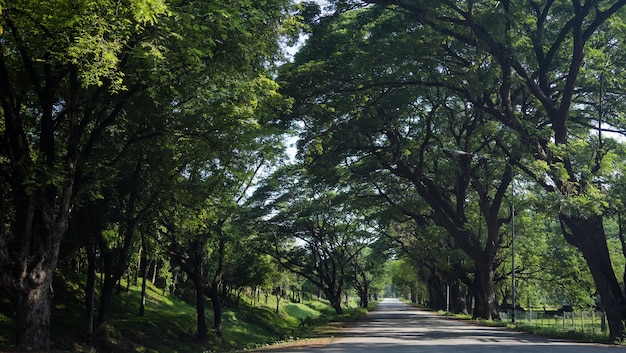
513	294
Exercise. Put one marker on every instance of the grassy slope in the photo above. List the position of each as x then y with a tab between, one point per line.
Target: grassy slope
169	324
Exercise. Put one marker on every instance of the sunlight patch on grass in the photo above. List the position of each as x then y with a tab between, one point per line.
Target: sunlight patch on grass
300	311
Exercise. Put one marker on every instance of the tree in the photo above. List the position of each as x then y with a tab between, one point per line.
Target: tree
367	266
406	283
198	228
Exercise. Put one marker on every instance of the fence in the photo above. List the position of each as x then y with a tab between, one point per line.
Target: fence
583	321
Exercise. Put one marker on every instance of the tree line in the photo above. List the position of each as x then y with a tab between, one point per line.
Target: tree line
447	108
157	129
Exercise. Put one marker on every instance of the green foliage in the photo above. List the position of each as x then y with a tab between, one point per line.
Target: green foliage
388	90
129	107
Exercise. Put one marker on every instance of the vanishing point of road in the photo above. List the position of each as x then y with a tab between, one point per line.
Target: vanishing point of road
397	327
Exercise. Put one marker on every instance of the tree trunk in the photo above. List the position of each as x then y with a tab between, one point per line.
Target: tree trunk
217	310
193	266
111	277
334	297
90	286
217	282
364	298
202	330
277	302
587	234
100	337
414	293
484	290
457	302
116	260
143	267
35	261
362	287
336	304
33	318
436	291
142	304
154	272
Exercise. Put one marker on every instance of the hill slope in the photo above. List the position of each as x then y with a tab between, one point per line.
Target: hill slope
169	323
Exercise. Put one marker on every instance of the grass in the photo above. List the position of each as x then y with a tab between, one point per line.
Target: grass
552	331
545	327
169	323
301	311
325	328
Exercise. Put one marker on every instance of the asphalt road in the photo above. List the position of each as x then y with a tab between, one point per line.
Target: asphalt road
397	327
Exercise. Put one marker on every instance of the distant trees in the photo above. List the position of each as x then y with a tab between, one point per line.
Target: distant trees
314	230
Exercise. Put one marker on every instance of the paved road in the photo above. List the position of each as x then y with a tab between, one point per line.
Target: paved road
397	327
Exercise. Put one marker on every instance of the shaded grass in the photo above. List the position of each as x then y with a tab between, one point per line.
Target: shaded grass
569	335
7	330
169	323
325	329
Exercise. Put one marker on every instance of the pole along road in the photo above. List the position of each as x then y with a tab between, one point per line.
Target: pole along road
398	327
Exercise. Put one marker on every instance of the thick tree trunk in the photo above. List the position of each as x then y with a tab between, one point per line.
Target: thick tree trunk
587	234
436	291
484	290
457	301
100	336
364	298
335	303
33	318
31	291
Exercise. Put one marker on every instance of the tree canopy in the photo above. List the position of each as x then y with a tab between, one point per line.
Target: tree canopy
150	132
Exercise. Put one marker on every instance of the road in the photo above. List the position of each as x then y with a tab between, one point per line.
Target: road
397	327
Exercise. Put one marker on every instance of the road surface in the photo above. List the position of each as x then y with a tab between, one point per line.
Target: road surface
397	327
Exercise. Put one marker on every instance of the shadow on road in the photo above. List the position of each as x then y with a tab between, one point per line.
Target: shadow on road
397	327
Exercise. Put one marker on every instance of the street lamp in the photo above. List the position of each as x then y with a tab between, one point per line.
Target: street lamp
458	153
